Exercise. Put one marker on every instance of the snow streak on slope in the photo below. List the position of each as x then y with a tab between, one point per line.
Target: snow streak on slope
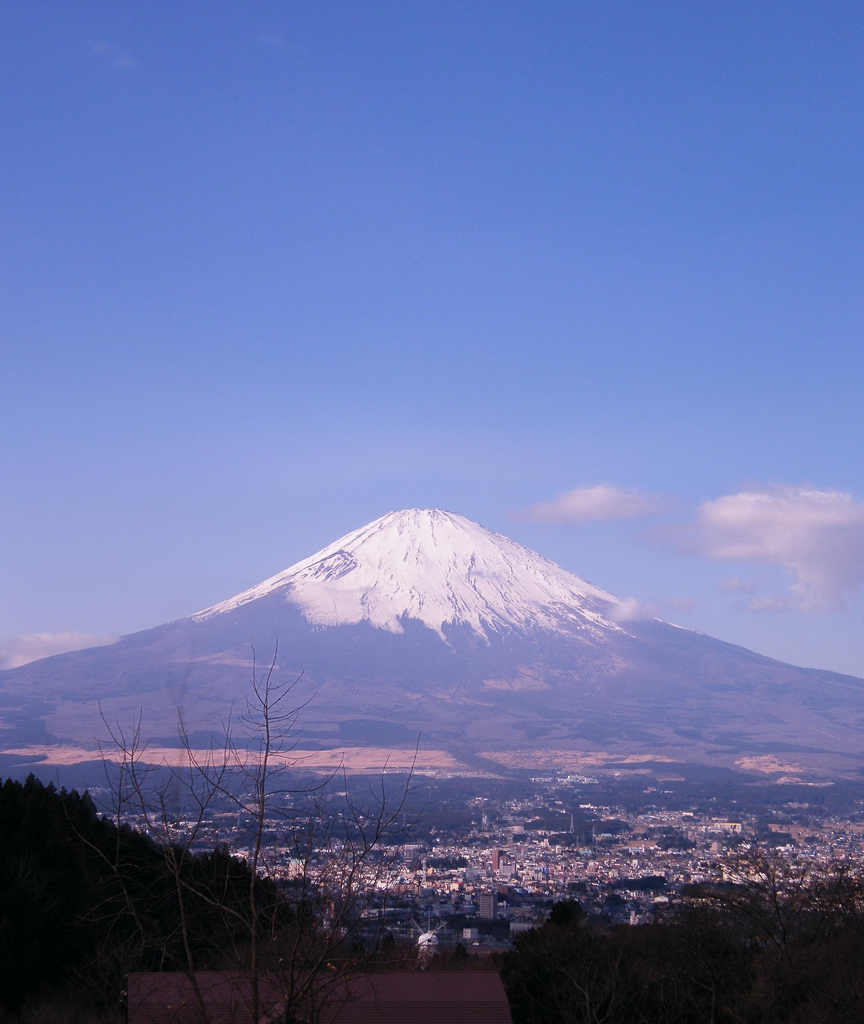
439	568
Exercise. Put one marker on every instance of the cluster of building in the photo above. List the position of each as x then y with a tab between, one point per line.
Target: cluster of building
506	869
484	882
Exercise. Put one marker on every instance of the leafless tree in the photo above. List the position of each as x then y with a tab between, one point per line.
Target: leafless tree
315	862
787	901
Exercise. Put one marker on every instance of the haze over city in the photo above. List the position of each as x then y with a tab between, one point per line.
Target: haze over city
588	274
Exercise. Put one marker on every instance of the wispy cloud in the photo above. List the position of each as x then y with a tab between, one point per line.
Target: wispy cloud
816	536
593	505
21	650
736	586
112	55
631	610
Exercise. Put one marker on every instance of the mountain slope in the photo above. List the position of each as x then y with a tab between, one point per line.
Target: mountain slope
424	622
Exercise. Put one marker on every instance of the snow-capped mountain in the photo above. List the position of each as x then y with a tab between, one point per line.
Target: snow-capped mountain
425	623
437	568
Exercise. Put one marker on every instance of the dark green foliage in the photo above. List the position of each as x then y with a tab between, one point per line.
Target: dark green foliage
566	912
447	863
48	882
672	840
82	903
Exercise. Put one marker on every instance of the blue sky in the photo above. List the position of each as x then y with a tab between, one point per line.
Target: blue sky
270	270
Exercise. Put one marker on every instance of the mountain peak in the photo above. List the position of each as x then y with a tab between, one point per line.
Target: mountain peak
439	568
555	677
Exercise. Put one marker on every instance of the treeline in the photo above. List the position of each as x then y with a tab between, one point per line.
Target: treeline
763	949
83	902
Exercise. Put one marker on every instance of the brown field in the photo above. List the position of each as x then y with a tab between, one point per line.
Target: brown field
569	760
354	759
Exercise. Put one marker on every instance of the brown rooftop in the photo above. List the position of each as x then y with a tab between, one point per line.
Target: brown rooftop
388	997
422	997
168	998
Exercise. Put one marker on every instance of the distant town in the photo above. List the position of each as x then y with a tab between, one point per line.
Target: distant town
478	861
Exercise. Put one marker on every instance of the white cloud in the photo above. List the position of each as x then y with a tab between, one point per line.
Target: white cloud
118	59
21	650
593	505
631	610
816	536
